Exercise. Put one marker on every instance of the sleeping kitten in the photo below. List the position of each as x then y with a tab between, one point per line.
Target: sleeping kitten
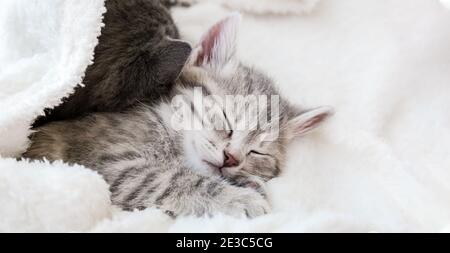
150	158
138	58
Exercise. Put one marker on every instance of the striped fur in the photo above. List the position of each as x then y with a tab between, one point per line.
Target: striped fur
149	163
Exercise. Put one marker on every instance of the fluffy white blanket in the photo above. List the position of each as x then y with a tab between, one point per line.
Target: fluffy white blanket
381	164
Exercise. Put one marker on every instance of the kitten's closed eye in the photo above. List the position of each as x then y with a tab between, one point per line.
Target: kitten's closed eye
254	152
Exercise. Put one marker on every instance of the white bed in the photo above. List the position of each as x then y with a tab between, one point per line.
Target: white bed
381	164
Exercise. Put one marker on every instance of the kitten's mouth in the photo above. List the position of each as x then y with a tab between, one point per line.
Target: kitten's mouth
218	170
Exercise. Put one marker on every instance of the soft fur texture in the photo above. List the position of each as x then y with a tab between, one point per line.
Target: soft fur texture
220	166
265	7
138	58
380	165
38	198
44	51
278	7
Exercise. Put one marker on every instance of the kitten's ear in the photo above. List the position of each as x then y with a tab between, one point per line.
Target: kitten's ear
308	121
218	45
170	60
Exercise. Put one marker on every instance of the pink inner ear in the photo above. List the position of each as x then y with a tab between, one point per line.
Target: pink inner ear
312	123
208	43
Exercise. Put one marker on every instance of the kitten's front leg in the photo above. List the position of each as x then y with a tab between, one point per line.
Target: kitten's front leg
250	181
187	193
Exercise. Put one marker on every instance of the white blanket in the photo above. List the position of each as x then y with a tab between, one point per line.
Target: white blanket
381	164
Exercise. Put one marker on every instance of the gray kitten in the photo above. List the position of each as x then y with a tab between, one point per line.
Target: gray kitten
149	162
138	58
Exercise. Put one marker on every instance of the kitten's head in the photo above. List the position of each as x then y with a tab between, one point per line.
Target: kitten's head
241	125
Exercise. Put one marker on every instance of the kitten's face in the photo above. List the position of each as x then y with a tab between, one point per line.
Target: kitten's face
238	135
240	125
234	145
234	153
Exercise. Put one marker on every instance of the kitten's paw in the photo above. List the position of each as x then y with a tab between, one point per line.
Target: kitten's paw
247	202
251	182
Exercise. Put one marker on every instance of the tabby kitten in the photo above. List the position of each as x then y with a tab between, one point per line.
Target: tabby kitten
149	162
138	58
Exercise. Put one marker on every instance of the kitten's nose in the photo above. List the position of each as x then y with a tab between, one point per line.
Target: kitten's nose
230	160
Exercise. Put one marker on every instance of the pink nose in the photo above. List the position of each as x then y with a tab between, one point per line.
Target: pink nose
230	160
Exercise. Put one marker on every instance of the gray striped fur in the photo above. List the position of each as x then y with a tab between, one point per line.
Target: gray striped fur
148	163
